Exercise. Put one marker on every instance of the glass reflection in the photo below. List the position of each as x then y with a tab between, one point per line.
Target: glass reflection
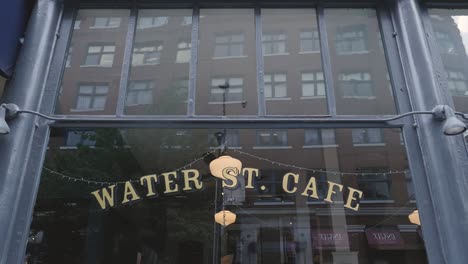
93	66
275	223
293	79
226	63
161	55
360	88
451	34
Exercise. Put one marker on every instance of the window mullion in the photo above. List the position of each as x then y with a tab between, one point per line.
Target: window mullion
326	61
193	63
260	65
127	58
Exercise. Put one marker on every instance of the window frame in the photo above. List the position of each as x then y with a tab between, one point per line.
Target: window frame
149	86
91	95
53	85
101	53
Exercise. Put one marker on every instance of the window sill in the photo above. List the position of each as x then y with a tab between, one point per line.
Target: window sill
360	97
315	202
319	146
370	145
93	27
277	98
312	97
228	147
229	57
86	110
131	105
273	203
144	64
93	66
354	52
309	52
227	102
272	147
377	201
275	54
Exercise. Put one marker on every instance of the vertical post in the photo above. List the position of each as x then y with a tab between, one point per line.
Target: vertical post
193	62
25	90
326	61
127	63
260	65
441	184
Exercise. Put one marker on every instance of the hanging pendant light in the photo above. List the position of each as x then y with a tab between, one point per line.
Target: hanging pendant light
414	217
225	217
227	164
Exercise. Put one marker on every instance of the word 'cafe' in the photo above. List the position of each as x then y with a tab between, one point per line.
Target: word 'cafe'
191	181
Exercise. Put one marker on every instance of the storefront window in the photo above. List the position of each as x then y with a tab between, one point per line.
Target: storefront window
96	59
289	79
226	63
361	88
451	38
107	196
293	79
161	56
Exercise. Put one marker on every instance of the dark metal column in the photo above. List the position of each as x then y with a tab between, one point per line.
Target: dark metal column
443	210
25	90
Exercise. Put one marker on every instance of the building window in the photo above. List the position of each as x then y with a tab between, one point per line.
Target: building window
69	56
186	20
356	85
367	136
229	45
457	83
274	43
234	92
375	185
313	84
77	24
100	55
140	93
310	41
180	88
80	138
177	140
445	42
272	138
183	52
92	96
106	22
275	85
351	39
272	191
322	184
232	138
152	22
319	137
410	185
146	53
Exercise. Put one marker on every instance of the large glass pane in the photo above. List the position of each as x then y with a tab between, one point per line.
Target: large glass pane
226	75
451	34
294	205
98	43
360	73
160	61
293	78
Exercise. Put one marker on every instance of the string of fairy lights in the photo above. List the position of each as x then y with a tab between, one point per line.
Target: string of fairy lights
213	150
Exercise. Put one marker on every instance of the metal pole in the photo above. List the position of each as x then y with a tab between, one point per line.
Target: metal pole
25	89
440	185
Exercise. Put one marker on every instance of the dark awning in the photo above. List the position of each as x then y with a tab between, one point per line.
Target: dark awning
387	237
330	239
13	18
